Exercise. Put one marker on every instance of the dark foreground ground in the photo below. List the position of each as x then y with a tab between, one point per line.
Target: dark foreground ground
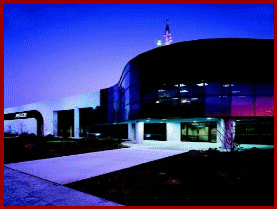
26	148
194	178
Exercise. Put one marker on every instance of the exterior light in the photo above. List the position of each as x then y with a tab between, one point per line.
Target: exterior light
202	84
148	135
184	101
97	134
181	85
176	85
227	85
184	91
157	101
161	90
209	118
174	98
194	98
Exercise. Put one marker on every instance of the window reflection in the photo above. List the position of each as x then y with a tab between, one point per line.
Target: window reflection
242	106
191	97
242	88
264	106
173	101
213	88
264	89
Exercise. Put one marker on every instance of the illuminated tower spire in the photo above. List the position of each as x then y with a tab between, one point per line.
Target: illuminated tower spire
167	35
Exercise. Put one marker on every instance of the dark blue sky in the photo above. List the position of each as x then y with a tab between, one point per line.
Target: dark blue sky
53	51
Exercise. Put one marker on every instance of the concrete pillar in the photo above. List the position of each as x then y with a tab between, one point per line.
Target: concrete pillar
173	131
131	131
139	132
55	123
76	122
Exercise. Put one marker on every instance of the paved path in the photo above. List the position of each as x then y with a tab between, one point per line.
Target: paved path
25	190
68	169
39	182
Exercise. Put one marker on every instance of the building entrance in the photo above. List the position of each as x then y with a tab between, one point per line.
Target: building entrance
199	132
66	123
155	131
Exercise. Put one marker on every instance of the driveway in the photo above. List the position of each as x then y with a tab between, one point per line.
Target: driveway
68	169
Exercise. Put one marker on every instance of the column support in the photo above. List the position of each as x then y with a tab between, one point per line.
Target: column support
131	131
173	131
139	132
55	123
76	122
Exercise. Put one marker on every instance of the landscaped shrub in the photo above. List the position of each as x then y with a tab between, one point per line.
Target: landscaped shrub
46	138
212	151
111	140
27	138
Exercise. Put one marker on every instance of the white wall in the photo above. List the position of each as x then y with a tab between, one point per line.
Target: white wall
46	108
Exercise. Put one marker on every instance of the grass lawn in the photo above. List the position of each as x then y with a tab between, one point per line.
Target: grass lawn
20	149
193	178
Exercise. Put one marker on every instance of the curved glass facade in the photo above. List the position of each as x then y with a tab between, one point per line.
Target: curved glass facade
141	94
202	99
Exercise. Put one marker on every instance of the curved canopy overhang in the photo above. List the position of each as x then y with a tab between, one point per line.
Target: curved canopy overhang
25	115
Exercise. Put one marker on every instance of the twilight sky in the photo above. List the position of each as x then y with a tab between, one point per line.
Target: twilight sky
54	51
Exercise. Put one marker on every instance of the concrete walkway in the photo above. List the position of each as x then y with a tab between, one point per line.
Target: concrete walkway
68	169
39	182
25	190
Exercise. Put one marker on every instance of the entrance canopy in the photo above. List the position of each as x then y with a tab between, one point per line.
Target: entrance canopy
26	115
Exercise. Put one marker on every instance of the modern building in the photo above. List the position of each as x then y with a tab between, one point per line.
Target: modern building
211	91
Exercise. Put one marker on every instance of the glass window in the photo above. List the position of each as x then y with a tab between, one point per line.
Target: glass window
192	89
173	101
134	77
127	111
127	96
191	100
264	89
264	106
135	93
213	88
226	88
148	91
242	106
255	131
198	132
213	105
126	81
167	92
217	105
134	110
242	88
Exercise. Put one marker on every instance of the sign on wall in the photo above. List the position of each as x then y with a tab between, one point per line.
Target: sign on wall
21	115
